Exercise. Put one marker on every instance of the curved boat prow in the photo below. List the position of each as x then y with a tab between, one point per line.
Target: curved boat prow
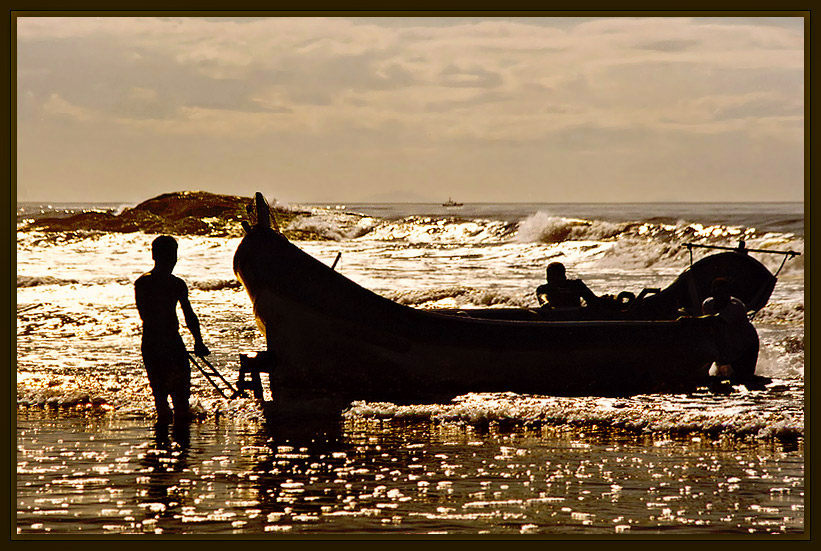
263	210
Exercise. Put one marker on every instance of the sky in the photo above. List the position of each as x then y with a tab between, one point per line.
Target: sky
344	109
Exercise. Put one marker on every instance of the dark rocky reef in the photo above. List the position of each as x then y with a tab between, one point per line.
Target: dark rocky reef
177	213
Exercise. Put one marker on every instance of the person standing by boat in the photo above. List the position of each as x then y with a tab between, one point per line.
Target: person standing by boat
738	339
560	292
163	350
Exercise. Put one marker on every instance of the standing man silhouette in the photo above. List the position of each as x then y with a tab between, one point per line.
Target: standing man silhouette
166	359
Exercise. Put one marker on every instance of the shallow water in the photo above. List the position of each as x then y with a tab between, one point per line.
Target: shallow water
97	474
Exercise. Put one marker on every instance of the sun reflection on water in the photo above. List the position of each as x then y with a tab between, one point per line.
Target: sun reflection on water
100	474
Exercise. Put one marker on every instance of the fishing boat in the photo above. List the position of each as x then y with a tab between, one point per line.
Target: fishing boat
451	203
329	337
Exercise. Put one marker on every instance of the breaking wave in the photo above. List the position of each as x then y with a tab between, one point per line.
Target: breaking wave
544	228
215	284
792	313
36	281
24	281
457	297
336	226
648	239
664	248
417	229
129	404
678	417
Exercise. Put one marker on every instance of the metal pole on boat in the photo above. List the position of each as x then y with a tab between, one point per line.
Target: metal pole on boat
742	248
338	256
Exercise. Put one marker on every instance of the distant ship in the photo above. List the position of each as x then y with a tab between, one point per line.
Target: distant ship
451	203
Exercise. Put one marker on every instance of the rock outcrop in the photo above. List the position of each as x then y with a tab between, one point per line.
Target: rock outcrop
177	213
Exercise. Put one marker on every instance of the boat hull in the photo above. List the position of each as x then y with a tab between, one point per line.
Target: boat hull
329	336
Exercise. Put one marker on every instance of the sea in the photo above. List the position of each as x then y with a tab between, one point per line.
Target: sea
716	461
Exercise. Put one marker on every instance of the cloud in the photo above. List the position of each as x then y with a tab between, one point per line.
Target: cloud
475	77
617	64
139	94
756	105
391	85
669	45
57	106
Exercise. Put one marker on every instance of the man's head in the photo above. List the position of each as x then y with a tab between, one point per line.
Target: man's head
555	272
164	252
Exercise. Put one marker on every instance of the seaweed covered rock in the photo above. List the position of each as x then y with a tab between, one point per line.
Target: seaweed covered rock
177	213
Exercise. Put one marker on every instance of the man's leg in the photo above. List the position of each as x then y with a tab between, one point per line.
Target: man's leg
164	413
180	393
744	366
157	379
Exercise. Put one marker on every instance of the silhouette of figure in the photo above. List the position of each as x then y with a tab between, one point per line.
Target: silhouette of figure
164	354
738	339
560	292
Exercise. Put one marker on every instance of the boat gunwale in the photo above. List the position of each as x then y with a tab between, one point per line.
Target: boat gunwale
584	323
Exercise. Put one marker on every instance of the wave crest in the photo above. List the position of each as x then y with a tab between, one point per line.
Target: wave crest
215	284
774	312
543	227
335	226
419	229
457	297
676	417
36	281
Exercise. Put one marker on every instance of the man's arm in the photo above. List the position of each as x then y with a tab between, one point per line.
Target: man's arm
584	291
541	294
192	321
139	297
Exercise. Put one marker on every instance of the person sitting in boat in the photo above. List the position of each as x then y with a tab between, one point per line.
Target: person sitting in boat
560	292
738	339
164	354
